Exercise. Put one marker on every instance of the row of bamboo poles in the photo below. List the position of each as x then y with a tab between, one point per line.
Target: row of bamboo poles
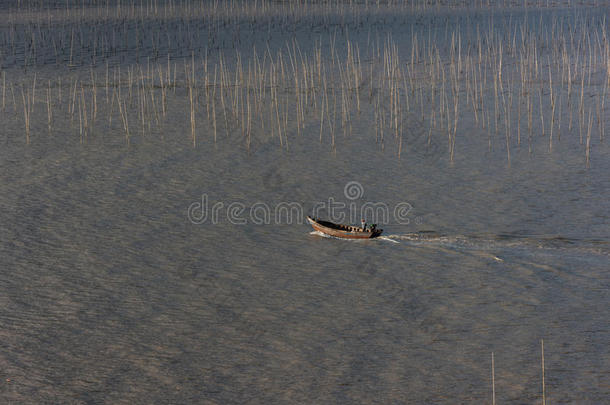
516	84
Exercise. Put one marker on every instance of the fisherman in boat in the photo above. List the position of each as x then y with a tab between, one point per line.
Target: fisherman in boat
363	225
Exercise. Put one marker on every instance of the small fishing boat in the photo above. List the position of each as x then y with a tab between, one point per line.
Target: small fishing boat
344	231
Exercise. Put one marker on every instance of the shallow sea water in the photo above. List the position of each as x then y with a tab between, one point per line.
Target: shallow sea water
110	293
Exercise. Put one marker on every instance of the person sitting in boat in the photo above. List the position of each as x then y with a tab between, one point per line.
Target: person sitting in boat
373	227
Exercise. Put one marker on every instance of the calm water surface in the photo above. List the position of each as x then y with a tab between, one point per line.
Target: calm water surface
110	294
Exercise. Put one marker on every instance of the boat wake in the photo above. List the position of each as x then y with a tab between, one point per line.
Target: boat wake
505	241
388	239
318	233
485	244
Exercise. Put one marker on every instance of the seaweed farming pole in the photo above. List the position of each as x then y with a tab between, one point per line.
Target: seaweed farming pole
543	370
553	97
588	147
214	105
581	108
26	113
94	104
493	380
123	113
49	112
192	111
3	90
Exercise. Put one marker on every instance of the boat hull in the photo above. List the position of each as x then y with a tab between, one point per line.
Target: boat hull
342	231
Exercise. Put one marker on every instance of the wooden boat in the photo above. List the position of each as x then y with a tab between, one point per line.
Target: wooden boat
343	231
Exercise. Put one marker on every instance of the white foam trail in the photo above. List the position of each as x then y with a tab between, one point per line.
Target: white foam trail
492	242
485	245
389	239
318	233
